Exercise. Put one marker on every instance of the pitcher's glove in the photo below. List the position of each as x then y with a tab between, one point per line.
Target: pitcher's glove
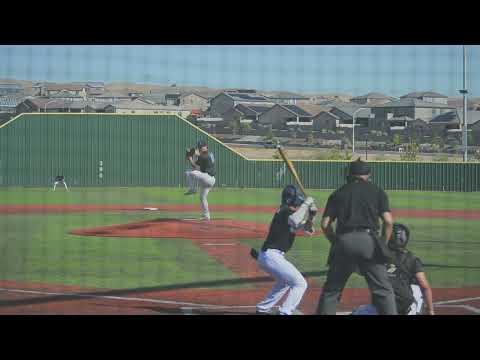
189	153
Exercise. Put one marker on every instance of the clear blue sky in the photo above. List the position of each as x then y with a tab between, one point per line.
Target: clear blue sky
394	70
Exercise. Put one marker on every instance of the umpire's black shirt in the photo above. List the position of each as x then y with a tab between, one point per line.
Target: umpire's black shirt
280	236
358	204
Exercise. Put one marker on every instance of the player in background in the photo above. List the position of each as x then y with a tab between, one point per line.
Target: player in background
294	214
60	179
202	173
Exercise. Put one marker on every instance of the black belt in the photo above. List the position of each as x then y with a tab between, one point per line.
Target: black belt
355	229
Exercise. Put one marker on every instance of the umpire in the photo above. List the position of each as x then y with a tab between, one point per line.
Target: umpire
357	207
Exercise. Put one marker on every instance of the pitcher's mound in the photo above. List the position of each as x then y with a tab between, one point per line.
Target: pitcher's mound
223	229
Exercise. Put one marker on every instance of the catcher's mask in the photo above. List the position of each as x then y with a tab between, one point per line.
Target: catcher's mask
400	237
291	196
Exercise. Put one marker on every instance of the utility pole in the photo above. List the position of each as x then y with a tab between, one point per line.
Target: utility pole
464	91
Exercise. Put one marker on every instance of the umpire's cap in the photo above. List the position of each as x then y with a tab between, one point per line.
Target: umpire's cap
358	167
201	143
400	237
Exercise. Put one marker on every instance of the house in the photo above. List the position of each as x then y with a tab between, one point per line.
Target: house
246	112
406	107
372	98
345	114
284	116
285	97
428	96
95	86
140	107
8	104
340	115
225	101
59	105
65	89
325	120
452	122
42	105
11	89
110	97
167	97
194	100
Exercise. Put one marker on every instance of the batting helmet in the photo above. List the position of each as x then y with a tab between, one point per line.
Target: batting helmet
201	143
400	237
291	196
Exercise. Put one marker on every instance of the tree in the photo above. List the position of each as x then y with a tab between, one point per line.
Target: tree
411	151
396	140
235	126
310	139
244	127
269	134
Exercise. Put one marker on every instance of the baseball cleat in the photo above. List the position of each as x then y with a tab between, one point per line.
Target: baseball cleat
190	192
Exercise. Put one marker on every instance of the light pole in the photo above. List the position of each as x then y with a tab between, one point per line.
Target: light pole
353	127
366	146
45	106
464	91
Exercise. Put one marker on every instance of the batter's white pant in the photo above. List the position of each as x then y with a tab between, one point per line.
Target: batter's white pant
415	308
288	279
205	183
60	182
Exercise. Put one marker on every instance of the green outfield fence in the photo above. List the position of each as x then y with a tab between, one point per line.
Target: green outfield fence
149	150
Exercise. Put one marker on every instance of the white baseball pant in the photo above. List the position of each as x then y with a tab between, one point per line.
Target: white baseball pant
288	279
60	182
205	183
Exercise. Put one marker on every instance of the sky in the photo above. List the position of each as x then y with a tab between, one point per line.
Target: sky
393	70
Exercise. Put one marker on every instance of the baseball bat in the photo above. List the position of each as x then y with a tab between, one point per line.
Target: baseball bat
292	170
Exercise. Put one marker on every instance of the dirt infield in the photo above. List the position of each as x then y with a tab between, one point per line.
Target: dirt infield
219	238
34	298
223	229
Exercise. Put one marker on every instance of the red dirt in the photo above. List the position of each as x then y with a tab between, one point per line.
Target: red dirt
129	302
418	213
181	228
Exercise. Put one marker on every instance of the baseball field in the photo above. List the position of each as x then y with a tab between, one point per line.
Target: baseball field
141	250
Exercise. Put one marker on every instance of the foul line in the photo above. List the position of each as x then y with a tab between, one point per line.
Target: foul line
156	301
455	301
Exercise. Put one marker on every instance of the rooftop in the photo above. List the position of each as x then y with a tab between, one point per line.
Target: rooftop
456	117
284	95
372	95
411	102
420	94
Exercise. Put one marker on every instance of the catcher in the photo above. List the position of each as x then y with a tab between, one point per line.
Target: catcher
410	285
201	175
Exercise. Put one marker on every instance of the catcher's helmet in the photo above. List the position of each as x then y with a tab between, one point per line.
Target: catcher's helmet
291	196
400	237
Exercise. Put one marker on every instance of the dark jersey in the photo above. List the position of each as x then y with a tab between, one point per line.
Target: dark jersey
280	236
206	163
402	274
358	204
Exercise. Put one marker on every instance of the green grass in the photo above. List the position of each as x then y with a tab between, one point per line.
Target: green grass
39	248
220	196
